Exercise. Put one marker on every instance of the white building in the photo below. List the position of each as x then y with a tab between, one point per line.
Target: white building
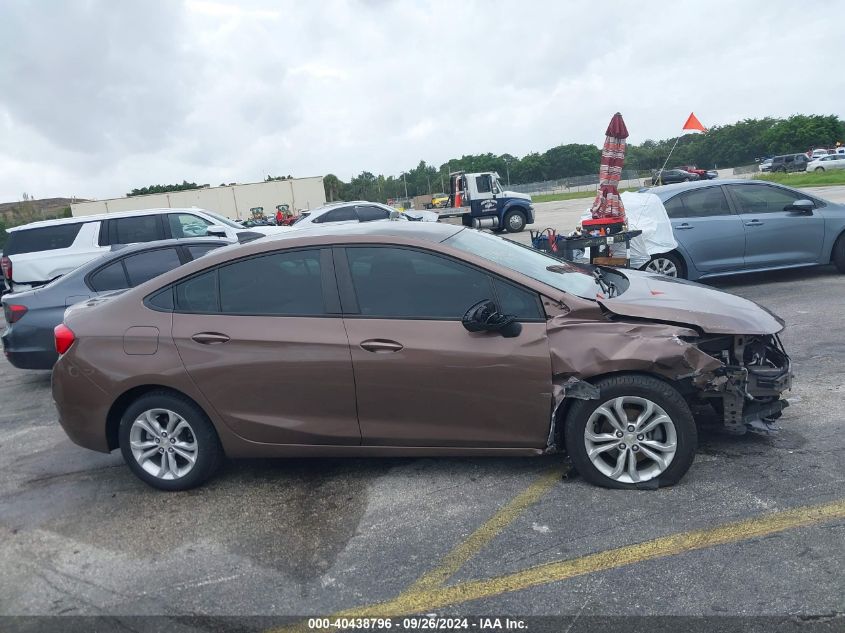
234	201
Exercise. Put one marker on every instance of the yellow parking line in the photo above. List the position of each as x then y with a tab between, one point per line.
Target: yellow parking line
439	597
456	559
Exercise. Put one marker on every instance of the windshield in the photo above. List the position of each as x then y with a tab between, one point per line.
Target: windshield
224	220
532	263
302	216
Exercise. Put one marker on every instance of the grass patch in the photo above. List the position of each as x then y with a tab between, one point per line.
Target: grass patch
568	195
807	179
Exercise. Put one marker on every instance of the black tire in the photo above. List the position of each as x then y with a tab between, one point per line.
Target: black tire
661	394
511	216
677	262
819	169
838	256
209	453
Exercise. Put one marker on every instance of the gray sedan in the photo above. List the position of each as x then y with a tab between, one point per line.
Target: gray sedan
739	226
31	315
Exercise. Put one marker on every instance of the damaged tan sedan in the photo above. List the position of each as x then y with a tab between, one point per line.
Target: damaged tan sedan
392	338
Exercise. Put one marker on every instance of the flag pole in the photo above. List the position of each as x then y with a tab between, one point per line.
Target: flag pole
660	173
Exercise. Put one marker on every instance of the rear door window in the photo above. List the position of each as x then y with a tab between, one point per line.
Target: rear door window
141	228
145	266
47	238
278	284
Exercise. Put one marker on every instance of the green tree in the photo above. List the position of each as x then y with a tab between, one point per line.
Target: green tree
163	189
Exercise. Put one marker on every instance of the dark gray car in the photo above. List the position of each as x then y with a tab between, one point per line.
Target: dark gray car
31	315
738	226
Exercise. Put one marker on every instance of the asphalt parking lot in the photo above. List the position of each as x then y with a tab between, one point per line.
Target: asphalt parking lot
756	528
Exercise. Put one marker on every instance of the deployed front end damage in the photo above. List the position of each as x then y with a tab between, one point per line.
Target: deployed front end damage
741	376
747	388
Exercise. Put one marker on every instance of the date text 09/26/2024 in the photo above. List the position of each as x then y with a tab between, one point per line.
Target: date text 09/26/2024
417	624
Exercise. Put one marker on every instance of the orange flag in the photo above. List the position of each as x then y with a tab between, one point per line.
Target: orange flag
694	124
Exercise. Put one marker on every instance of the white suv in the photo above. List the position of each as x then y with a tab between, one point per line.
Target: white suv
39	252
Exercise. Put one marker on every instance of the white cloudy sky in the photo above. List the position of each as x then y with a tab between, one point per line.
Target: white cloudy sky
100	96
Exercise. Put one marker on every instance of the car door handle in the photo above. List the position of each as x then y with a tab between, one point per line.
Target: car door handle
683	227
381	346
210	338
754	223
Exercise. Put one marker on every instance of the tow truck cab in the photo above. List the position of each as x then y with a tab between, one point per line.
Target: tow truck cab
490	205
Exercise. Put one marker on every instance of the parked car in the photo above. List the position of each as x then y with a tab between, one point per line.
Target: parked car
819	152
831	161
411	338
673	176
359	211
39	252
32	315
703	174
440	200
739	226
789	163
766	165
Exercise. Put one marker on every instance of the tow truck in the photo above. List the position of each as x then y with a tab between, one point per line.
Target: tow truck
482	202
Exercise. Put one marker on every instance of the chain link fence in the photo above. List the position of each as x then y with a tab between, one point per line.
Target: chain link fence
630	178
746	169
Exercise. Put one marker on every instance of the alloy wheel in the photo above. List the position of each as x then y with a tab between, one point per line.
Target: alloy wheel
630	439
662	266
163	444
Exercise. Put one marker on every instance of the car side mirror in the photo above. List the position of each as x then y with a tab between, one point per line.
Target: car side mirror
483	317
802	206
216	230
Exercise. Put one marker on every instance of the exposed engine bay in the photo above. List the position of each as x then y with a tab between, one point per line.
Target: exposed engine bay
747	389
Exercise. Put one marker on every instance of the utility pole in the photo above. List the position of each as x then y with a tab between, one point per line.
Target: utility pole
406	184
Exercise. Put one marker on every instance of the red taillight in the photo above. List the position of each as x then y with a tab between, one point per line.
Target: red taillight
6	265
64	338
14	313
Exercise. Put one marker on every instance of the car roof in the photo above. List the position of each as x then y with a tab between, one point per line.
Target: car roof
428	231
665	192
104	216
76	275
344	203
130	249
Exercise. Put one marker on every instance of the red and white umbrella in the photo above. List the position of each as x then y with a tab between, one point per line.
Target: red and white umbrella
607	204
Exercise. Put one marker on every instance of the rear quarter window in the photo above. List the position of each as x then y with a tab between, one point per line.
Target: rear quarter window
112	277
47	238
